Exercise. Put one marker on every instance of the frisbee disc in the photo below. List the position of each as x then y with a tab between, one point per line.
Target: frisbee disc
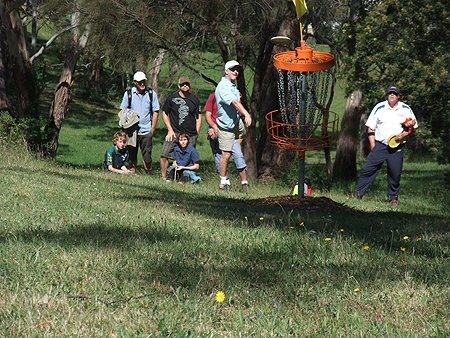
392	142
280	40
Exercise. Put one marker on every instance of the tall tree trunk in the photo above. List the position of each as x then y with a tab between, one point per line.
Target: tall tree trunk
18	55
364	144
96	78
345	161
63	89
249	142
270	159
4	102
156	69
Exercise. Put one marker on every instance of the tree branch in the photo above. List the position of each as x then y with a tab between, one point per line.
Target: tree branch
49	42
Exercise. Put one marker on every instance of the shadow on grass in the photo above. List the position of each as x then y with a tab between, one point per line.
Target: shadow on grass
268	265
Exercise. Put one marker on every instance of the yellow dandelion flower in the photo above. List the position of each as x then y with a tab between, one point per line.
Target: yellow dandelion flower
419	239
342	230
261	218
292	227
328	239
406	237
404	263
301	224
220	296
356	290
366	247
350	260
403	249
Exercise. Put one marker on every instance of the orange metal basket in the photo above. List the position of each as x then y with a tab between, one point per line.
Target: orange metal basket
283	135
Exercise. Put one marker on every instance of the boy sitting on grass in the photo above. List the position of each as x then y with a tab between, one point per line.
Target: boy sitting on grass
117	155
186	160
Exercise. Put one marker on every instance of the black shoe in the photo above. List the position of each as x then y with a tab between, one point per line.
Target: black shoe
148	172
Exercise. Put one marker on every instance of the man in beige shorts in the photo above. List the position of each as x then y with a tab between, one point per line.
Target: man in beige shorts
229	124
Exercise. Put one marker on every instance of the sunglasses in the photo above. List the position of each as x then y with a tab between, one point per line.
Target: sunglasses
234	69
393	93
185	84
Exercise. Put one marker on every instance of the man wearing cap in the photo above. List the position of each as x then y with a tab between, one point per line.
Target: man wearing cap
144	101
181	111
386	122
229	124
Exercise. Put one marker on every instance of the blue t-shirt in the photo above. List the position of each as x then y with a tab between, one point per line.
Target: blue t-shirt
227	114
186	158
140	103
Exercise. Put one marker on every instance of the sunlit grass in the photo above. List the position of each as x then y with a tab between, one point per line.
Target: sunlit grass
90	254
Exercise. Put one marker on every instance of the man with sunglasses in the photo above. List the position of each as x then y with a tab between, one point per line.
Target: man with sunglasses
386	122
144	101
229	124
181	111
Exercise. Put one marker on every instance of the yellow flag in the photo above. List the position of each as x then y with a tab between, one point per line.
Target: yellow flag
300	6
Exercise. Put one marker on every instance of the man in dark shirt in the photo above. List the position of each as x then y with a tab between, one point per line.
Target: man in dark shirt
181	111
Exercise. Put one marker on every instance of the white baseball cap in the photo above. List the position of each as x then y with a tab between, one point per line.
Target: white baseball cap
231	64
139	76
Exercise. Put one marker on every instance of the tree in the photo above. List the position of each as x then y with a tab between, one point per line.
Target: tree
404	42
62	91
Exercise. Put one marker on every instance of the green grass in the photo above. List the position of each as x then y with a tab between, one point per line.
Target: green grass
90	254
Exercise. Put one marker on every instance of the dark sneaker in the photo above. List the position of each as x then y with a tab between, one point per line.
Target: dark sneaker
245	187
148	172
393	202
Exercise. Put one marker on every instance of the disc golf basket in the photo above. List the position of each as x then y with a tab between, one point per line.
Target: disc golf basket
302	123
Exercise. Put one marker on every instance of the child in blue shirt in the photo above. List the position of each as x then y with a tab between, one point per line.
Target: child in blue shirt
186	159
117	155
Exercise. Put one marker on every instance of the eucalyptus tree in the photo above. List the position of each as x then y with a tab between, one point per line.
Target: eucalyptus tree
407	43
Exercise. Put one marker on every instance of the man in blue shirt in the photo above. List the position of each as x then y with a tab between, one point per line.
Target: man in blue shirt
144	101
229	124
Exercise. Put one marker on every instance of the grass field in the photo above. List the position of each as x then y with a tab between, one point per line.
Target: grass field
90	254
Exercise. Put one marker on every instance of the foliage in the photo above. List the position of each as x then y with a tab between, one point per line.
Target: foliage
10	129
404	42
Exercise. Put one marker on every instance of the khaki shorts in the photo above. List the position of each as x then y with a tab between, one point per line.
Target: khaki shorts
227	137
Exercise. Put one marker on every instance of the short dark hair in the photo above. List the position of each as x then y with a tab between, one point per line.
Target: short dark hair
183	133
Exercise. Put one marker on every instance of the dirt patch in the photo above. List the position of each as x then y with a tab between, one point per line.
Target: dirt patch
308	203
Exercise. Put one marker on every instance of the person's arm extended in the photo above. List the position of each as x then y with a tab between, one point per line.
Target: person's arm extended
193	167
243	111
170	132
123	170
209	120
199	123
154	121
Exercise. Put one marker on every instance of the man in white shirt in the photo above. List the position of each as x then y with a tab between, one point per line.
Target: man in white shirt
386	122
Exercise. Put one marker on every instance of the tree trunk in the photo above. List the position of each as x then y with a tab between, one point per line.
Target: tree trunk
18	55
364	144
345	162
62	91
4	102
96	78
156	69
270	159
249	142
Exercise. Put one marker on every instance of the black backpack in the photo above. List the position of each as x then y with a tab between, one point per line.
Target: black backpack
150	93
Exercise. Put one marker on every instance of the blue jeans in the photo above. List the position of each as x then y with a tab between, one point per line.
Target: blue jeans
236	154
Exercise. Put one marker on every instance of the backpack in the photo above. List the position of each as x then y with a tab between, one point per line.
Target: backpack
150	93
